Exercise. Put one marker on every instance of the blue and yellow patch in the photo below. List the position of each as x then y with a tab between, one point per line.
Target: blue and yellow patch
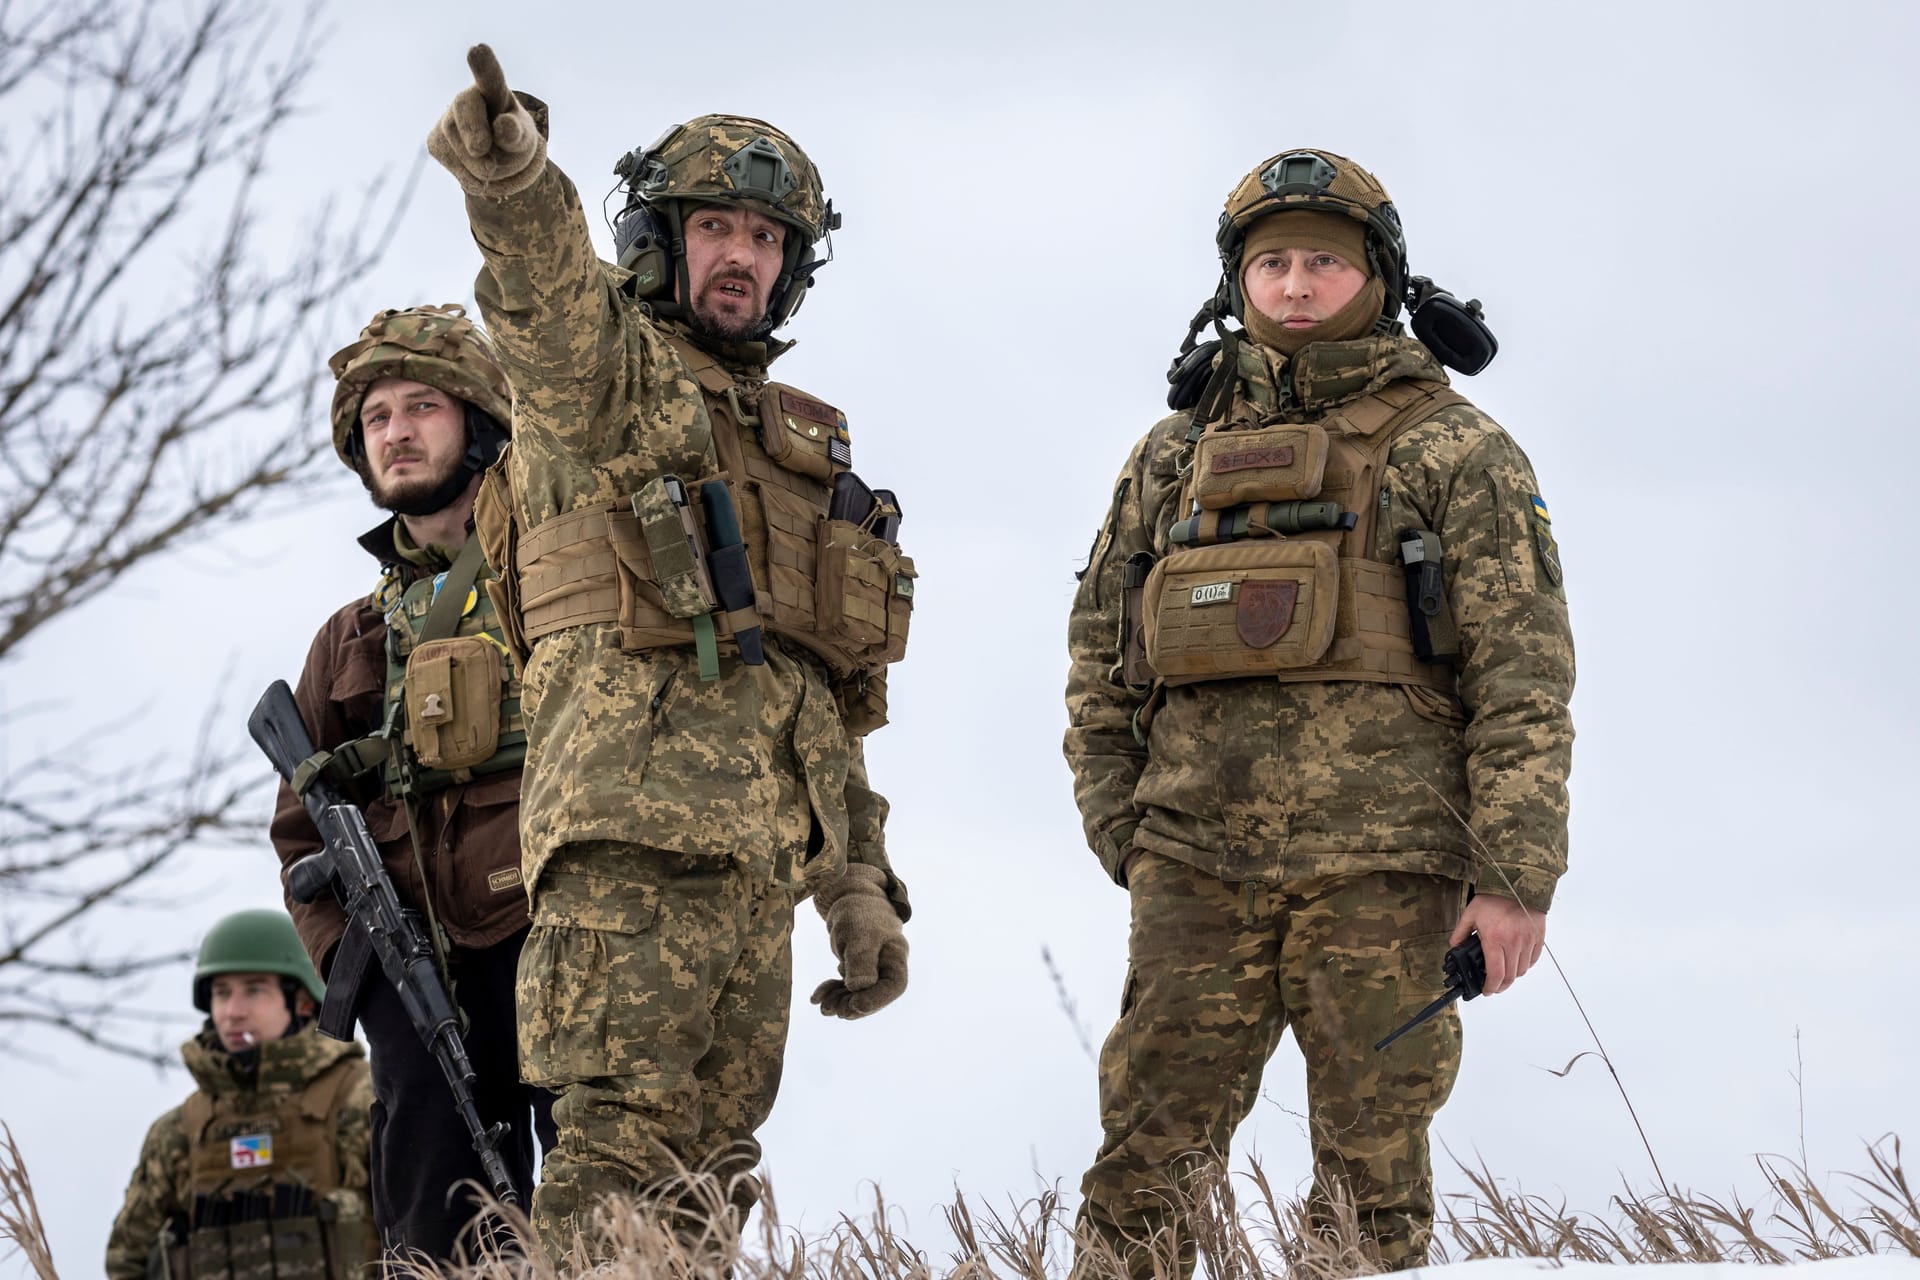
1543	544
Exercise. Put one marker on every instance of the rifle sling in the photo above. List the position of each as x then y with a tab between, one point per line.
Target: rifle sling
451	599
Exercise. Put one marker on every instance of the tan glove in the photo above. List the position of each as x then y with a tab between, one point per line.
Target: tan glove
867	940
487	139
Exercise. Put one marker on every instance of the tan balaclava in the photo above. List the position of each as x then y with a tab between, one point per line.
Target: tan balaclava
1313	229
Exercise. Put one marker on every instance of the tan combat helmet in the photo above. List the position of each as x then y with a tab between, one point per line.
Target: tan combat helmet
725	160
439	346
1315	180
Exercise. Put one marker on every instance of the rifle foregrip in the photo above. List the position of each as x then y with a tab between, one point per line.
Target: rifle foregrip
276	727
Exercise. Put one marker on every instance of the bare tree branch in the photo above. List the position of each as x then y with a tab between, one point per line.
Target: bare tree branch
160	377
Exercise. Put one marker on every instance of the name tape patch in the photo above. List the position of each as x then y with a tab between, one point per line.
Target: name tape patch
1213	593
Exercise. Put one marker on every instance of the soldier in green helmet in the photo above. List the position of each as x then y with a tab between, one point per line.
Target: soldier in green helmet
413	698
1318	714
261	1174
709	599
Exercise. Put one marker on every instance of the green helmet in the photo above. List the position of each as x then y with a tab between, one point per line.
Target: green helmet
435	345
725	160
1314	180
253	942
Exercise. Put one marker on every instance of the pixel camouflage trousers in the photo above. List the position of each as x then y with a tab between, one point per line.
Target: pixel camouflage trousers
653	999
1217	971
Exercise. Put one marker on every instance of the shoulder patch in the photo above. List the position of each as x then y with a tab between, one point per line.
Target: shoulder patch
1543	544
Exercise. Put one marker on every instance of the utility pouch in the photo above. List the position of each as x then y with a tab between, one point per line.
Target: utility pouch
207	1256
299	1252
349	1234
854	589
250	1249
863	702
1135	671
1241	609
1430	620
801	434
453	701
671	534
493	525
1269	464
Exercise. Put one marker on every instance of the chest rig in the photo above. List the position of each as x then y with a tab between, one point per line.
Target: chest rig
452	698
262	1165
822	565
1285	564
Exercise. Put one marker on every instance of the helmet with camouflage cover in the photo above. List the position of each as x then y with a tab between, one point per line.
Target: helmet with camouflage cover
1321	180
253	942
723	160
439	346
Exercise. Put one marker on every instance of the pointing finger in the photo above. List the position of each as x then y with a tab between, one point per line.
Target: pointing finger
490	79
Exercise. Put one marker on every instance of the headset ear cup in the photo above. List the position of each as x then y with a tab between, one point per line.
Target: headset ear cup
1455	332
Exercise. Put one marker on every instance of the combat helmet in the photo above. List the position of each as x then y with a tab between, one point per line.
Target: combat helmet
253	942
1454	331
1315	180
439	346
725	160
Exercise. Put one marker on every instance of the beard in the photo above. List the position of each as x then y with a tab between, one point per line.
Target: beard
420	495
710	322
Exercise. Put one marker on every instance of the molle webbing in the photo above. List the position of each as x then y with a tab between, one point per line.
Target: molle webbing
1372	631
593	564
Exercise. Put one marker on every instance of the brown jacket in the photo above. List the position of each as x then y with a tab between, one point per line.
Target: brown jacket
469	834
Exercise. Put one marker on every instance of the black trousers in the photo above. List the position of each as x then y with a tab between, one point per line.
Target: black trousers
421	1150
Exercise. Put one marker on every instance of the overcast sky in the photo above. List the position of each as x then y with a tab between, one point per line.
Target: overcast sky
1689	225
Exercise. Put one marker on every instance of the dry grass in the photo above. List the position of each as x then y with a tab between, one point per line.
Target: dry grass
1243	1229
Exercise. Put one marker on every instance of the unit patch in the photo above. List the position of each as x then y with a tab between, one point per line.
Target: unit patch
1266	611
1543	543
251	1150
1212	593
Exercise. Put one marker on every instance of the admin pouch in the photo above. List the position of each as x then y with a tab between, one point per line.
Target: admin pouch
1269	464
453	701
1241	609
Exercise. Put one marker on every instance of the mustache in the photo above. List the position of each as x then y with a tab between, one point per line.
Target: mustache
726	274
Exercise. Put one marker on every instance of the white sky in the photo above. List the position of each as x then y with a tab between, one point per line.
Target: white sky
1688	223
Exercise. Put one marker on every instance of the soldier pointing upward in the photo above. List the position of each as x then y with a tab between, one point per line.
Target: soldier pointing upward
708	599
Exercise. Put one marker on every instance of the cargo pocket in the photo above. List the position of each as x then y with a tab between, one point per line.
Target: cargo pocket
1246	608
575	970
1431	704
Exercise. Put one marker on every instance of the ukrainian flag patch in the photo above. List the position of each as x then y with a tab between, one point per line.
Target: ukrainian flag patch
1543	544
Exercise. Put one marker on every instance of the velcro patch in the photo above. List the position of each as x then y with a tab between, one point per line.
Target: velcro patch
812	410
251	1150
1213	593
1266	611
1253	459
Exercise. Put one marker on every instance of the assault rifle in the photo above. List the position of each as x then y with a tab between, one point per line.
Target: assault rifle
1466	970
377	925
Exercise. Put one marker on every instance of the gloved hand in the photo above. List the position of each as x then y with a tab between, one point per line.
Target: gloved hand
867	940
487	139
